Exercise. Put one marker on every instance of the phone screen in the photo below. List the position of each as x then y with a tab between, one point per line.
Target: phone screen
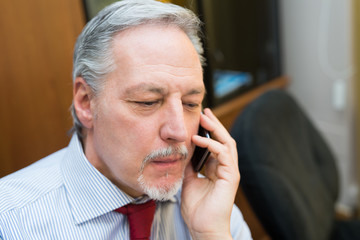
200	154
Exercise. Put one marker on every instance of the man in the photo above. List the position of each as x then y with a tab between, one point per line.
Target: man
138	90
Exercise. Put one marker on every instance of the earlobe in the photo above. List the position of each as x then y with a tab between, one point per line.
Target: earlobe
82	96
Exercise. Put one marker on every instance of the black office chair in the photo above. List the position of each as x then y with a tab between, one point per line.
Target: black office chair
288	172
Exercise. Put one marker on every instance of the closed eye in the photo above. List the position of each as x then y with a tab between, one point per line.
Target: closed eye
191	105
147	103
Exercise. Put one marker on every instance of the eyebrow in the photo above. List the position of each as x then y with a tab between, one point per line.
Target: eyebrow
144	87
196	91
148	87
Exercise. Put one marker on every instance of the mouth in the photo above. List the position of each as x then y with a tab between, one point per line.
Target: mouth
164	164
166	161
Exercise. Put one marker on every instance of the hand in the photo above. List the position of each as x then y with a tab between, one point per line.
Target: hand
207	202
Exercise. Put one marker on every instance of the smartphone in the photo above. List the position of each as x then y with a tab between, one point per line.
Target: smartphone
200	154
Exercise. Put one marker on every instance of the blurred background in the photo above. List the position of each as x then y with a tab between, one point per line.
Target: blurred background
313	42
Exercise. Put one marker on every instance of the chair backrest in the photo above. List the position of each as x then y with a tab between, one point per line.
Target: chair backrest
288	172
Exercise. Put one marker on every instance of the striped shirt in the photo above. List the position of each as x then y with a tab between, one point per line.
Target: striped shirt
63	196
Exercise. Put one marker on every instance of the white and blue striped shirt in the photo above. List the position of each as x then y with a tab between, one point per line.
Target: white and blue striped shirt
64	197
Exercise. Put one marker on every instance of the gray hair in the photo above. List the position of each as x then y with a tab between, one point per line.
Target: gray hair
93	58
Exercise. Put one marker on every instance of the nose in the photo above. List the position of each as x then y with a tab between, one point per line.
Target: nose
174	128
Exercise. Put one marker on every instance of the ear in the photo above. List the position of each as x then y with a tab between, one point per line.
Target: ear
82	97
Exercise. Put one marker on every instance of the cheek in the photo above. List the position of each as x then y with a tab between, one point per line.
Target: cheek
120	139
193	125
192	130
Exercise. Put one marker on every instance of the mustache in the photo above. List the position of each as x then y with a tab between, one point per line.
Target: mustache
181	151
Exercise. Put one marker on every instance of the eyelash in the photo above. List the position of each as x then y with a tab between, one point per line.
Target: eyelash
191	105
152	103
147	103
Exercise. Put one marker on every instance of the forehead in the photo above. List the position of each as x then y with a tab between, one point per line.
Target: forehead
155	54
166	42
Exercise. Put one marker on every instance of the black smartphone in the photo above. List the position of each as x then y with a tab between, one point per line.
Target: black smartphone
200	154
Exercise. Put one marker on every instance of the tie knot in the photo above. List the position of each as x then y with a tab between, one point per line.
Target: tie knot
140	217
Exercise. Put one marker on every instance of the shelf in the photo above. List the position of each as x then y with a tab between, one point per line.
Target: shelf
227	112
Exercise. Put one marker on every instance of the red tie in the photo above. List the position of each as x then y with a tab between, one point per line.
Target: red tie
140	217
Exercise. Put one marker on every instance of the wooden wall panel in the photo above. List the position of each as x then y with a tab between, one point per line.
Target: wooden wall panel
36	45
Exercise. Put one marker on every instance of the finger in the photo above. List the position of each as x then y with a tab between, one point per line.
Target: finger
218	131
211	144
215	147
225	166
227	134
212	124
211	115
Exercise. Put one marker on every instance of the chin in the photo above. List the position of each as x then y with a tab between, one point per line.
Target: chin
163	190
